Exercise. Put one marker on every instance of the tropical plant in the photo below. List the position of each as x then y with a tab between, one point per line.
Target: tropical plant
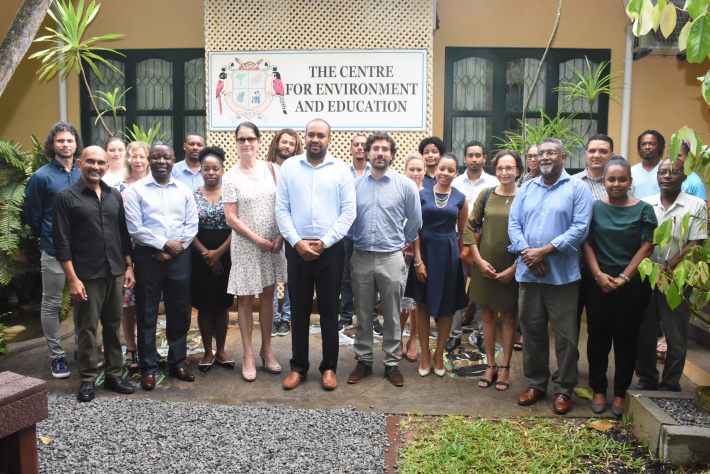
138	133
692	272
112	101
3	342
70	50
560	126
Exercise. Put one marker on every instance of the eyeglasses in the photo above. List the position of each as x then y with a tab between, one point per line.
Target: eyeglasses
548	153
242	140
673	172
532	156
507	169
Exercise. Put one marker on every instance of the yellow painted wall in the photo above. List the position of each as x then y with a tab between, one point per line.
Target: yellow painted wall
30	107
665	94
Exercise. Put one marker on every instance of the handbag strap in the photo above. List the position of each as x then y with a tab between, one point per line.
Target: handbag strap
271	168
485	201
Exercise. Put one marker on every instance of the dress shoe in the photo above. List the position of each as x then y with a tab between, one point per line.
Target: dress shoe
441	372
86	392
452	343
329	380
394	376
597	408
273	368
148	382
562	404
227	364
293	379
530	397
424	372
617	411
361	371
119	385
181	373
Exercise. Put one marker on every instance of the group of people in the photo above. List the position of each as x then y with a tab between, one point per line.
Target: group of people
127	228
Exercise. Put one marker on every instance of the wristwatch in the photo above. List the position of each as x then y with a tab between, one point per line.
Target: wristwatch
131	264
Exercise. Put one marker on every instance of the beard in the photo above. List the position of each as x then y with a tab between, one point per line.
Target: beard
546	168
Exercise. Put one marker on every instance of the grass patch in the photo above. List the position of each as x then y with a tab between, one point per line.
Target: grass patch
461	444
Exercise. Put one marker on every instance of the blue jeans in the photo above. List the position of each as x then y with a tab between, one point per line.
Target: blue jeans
346	290
285	310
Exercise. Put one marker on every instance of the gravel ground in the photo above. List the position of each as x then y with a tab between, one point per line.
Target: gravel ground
125	435
684	412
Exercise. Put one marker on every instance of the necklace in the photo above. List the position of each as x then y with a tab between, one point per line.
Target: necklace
441	202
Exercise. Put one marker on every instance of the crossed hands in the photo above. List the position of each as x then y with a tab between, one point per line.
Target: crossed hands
608	283
489	272
172	248
534	258
309	250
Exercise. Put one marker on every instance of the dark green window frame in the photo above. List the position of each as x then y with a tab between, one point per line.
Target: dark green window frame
500	57
178	58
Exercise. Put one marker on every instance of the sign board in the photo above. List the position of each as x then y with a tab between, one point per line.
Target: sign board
351	90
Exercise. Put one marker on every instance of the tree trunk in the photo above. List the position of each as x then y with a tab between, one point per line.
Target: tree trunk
19	37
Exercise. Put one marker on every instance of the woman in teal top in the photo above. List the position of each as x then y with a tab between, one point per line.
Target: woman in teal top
620	237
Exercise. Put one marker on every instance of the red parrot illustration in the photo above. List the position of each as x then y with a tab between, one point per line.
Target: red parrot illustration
220	87
278	87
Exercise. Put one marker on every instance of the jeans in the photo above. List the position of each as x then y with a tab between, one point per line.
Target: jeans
53	279
346	290
285	309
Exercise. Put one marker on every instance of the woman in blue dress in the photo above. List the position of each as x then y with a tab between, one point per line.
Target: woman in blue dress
440	288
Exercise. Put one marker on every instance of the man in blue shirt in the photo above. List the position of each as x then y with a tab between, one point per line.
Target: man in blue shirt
161	215
388	216
650	146
315	207
62	146
549	220
188	170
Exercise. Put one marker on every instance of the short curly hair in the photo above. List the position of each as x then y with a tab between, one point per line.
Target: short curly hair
62	127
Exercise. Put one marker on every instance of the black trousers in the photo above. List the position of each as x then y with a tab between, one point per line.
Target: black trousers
172	279
325	274
613	317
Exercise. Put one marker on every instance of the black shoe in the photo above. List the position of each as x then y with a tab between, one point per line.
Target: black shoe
119	385
343	325
377	327
86	392
284	328
452	343
275	329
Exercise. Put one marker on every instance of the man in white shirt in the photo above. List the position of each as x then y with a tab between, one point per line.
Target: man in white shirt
671	203
471	183
650	146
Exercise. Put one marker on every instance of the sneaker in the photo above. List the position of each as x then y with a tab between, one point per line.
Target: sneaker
452	343
284	328
377	327
275	329
59	368
343	325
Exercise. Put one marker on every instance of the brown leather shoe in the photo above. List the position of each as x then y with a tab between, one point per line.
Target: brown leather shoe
361	371
181	373
293	379
148	382
530	397
562	404
394	376
329	380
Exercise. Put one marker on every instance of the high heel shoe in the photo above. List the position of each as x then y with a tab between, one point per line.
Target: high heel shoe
248	376
441	372
274	369
423	372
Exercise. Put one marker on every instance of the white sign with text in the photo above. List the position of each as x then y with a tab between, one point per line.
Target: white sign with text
351	90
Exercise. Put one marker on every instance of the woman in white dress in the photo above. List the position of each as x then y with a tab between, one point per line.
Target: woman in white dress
258	260
116	156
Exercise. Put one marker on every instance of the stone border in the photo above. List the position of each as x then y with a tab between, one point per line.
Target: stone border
672	441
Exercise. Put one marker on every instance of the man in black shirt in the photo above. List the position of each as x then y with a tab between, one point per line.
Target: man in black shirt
94	249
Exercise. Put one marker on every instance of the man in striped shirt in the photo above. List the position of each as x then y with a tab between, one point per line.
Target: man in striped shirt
600	150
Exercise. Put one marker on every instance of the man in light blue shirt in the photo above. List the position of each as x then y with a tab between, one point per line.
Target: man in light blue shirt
549	220
188	170
389	215
315	207
161	215
650	145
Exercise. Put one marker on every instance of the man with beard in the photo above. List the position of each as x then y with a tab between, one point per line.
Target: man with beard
650	145
358	166
388	216
94	249
188	170
600	149
471	183
62	146
549	220
162	217
315	207
285	144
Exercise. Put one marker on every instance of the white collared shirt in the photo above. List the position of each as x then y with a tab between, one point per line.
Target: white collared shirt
471	189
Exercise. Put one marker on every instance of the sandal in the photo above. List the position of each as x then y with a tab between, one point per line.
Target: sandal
662	348
132	361
502	386
487	383
517	347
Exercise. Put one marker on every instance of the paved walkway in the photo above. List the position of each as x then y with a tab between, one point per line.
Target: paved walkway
427	395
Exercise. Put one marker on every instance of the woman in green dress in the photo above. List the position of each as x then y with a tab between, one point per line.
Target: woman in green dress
493	284
620	237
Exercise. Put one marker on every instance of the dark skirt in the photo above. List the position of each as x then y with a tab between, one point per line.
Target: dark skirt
209	291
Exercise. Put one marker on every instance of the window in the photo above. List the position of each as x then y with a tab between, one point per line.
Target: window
166	87
486	89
